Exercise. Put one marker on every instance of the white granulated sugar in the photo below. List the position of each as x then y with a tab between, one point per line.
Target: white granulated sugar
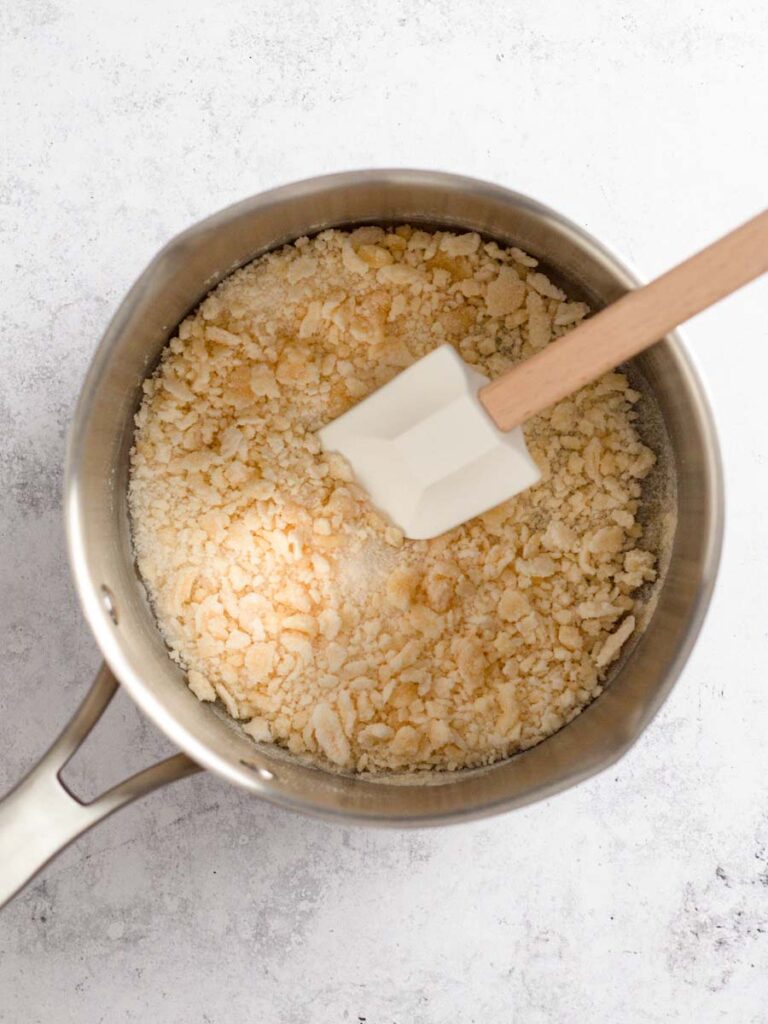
289	599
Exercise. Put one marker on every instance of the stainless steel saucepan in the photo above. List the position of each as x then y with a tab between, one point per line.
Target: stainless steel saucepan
41	816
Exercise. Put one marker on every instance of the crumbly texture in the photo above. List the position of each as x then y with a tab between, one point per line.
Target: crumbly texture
288	597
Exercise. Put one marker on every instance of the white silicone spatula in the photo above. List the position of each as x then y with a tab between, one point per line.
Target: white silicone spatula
440	443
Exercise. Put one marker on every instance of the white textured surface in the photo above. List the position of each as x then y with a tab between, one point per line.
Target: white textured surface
642	896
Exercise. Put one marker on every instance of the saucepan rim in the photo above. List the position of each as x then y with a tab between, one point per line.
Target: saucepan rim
92	599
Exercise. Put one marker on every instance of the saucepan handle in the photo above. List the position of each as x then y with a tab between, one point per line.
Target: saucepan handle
41	816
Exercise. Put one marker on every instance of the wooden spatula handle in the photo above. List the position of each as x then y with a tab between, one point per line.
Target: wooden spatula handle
634	323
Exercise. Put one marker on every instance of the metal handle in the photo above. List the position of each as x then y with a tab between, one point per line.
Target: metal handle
41	816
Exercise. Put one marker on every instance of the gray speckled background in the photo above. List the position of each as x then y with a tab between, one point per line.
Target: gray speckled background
641	896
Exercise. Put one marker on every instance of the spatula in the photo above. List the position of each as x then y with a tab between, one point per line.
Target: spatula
440	443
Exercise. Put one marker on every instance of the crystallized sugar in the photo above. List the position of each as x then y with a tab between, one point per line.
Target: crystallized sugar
287	597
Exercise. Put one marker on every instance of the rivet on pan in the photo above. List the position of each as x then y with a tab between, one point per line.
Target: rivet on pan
264	773
108	600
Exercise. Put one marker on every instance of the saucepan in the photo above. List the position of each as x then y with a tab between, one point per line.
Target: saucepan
40	816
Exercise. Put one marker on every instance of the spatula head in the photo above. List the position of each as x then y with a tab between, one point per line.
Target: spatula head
427	452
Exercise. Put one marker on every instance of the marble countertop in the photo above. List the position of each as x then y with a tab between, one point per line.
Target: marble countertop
640	896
